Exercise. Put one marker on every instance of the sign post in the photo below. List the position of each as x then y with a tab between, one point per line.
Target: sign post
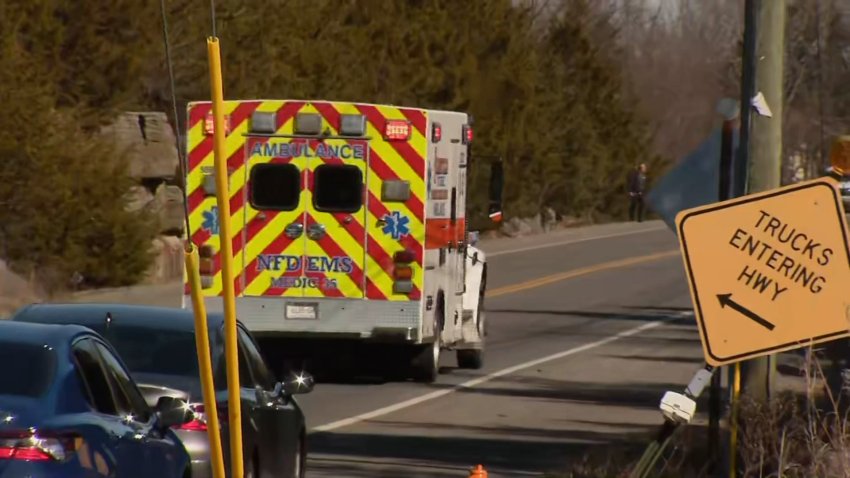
768	272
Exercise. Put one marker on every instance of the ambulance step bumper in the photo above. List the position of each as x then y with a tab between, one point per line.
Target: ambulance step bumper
361	319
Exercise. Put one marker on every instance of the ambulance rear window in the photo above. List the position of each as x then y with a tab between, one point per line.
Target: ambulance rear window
275	186
338	188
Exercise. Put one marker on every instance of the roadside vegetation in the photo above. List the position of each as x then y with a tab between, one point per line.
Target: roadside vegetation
570	94
801	432
547	96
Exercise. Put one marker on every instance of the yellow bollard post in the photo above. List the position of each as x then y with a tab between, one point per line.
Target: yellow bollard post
733	422
226	252
202	343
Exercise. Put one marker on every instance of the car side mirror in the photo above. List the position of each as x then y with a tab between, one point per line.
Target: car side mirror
297	383
171	411
495	196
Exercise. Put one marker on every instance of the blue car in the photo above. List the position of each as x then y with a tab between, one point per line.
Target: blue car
69	408
158	346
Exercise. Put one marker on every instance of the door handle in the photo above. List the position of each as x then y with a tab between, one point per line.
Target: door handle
294	230
316	231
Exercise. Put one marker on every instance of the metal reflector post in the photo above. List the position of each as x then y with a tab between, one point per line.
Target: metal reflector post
202	344
226	254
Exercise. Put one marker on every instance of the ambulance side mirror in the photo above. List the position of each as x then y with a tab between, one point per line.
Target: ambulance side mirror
496	185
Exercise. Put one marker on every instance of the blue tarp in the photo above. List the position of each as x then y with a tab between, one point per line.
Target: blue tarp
692	182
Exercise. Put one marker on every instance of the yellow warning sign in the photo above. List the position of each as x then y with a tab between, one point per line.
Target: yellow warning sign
768	272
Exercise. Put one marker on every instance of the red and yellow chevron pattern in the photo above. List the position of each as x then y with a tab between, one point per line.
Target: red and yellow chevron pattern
358	236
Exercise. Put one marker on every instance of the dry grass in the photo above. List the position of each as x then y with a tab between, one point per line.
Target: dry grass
794	435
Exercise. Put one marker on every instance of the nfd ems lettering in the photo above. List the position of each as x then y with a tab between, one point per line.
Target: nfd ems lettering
787	257
303	150
288	263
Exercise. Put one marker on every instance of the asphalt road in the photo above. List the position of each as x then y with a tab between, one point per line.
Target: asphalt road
587	329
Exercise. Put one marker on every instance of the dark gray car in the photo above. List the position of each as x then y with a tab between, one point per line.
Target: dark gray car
158	346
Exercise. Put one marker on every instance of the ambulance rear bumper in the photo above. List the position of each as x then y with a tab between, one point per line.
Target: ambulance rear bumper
359	319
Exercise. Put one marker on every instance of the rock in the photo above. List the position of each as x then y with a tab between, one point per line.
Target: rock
535	224
516	227
168	260
147	140
139	198
15	291
167	205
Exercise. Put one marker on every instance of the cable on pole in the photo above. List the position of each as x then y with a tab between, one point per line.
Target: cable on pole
178	137
212	16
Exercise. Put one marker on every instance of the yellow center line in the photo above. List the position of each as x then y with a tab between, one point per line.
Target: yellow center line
562	276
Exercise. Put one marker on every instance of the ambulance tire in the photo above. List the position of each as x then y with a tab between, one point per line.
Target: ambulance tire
474	358
426	364
470	359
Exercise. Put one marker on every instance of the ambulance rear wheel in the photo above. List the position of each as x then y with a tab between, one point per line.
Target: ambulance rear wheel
471	359
426	367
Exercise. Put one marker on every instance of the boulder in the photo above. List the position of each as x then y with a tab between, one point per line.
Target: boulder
139	198
147	140
15	291
167	205
168	260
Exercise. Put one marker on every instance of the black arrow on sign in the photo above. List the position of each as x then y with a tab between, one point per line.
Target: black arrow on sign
726	299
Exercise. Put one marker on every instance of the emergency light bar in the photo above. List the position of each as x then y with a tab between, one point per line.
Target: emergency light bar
308	123
264	122
352	125
397	130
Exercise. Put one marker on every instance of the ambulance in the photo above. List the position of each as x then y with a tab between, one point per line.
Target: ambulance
349	230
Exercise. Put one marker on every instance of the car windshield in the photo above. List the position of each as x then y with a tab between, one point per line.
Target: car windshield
29	369
152	351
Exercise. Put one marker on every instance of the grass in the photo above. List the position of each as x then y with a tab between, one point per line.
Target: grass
794	435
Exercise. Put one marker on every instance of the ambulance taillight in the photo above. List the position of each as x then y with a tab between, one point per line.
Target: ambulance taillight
467	134
436	132
397	130
403	272
206	265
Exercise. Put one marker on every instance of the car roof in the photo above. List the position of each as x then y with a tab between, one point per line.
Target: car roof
54	335
94	314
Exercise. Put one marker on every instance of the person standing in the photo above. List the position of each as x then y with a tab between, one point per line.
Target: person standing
637	187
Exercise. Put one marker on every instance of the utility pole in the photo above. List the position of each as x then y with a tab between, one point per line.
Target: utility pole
765	149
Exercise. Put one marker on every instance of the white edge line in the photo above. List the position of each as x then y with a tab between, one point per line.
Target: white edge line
478	381
570	241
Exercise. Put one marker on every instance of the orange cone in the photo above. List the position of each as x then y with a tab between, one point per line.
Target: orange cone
478	472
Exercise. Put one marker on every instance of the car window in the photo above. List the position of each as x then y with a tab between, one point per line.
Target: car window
95	384
130	400
275	186
155	351
33	371
338	188
246	380
258	366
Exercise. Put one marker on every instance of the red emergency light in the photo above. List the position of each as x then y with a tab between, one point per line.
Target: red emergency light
397	130
209	125
436	132
467	134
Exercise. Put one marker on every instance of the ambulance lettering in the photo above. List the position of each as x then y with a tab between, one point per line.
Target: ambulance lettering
289	282
279	262
303	150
